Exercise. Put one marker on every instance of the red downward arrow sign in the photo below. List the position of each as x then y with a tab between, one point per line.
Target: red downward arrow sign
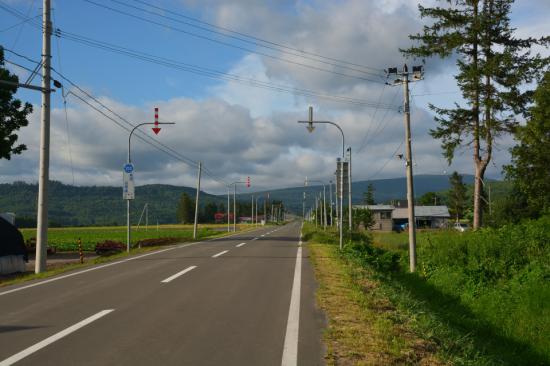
156	130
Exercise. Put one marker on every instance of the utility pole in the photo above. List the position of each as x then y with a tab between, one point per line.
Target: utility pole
330	197
324	207
44	174
252	211
265	211
197	201
349	188
228	209
256	210
341	162
235	207
417	75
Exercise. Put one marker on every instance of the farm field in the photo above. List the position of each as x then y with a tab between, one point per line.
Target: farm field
65	239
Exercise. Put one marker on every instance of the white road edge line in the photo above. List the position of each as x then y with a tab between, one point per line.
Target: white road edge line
220	253
290	349
173	277
240	245
111	264
38	346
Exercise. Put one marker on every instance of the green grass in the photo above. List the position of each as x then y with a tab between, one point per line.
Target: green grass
481	297
491	286
66	239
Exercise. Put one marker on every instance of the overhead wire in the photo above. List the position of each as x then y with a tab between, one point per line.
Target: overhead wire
123	122
200	36
251	39
300	51
206	72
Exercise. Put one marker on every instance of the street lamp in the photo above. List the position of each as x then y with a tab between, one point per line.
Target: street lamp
129	168
310	127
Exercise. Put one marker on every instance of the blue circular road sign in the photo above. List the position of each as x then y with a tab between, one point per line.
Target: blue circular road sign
128	168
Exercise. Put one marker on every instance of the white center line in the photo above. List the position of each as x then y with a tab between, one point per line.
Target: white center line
255	239
262	235
38	346
290	350
240	245
220	253
173	277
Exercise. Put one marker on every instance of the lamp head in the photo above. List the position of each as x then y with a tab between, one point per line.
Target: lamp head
310	126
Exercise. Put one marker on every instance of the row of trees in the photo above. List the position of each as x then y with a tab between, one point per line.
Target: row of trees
186	209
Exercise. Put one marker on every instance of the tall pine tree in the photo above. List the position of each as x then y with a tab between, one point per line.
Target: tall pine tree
495	69
186	209
457	196
368	196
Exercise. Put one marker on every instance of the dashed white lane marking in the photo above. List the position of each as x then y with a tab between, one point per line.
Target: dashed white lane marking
290	350
173	277
240	245
262	235
38	346
220	253
255	239
111	264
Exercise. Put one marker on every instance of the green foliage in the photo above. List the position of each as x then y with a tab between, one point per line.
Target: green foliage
66	239
186	209
482	296
495	70
96	205
530	158
430	199
362	217
457	196
368	196
13	114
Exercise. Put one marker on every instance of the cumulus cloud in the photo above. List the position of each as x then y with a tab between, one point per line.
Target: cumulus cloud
239	131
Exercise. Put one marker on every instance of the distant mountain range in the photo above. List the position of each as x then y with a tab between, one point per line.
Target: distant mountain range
99	205
385	190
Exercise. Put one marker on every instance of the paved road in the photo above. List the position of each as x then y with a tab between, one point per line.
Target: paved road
219	302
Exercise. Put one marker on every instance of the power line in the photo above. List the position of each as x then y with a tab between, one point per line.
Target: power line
229	44
300	51
206	72
386	163
242	37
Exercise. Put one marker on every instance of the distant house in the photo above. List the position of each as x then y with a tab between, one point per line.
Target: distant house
388	217
434	217
382	216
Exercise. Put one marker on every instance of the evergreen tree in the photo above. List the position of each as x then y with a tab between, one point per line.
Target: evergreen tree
368	196
209	211
531	157
430	199
186	209
13	114
495	69
457	196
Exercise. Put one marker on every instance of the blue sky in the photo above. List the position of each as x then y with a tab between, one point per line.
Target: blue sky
235	129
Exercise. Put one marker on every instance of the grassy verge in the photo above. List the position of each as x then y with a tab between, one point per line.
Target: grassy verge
364	327
23	277
479	298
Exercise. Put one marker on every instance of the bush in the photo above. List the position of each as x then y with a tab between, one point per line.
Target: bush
109	247
157	242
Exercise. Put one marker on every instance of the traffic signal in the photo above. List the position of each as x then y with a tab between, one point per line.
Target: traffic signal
247	182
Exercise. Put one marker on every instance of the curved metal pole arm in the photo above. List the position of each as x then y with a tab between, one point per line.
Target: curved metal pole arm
338	127
130	137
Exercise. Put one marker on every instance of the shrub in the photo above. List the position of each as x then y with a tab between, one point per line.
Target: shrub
109	247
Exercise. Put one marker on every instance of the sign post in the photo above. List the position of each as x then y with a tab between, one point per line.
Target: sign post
128	187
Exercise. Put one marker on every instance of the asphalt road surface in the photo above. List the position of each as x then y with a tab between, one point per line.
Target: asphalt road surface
248	299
